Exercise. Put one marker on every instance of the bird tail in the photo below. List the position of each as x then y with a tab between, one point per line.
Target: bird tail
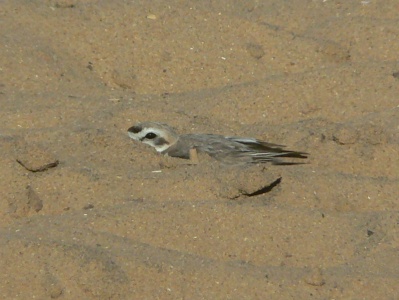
289	154
275	157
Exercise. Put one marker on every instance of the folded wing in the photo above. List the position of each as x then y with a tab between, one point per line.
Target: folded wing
263	152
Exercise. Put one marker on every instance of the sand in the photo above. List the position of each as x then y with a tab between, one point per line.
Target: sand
87	213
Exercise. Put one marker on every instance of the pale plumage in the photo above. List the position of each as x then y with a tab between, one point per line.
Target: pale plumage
228	150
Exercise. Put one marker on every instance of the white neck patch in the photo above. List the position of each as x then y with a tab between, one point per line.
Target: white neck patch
161	148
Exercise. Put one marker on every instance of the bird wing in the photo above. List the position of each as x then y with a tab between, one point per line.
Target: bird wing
262	151
253	143
248	150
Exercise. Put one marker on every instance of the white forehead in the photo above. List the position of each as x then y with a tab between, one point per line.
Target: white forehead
139	135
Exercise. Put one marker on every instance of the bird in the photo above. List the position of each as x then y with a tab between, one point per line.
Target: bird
228	150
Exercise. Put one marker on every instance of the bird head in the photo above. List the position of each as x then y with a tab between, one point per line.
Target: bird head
157	135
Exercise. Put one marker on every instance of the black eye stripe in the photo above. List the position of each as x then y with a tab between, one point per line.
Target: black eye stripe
161	142
135	129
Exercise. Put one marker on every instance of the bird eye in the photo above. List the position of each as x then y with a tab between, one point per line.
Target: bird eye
150	136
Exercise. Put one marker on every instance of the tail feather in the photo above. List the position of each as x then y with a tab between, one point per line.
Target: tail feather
293	154
284	163
274	157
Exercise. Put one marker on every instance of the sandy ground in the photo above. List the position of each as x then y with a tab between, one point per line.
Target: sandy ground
86	213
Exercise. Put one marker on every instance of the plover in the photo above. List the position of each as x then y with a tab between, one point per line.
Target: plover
229	150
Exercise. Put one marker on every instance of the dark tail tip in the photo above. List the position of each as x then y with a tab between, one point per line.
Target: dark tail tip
294	154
